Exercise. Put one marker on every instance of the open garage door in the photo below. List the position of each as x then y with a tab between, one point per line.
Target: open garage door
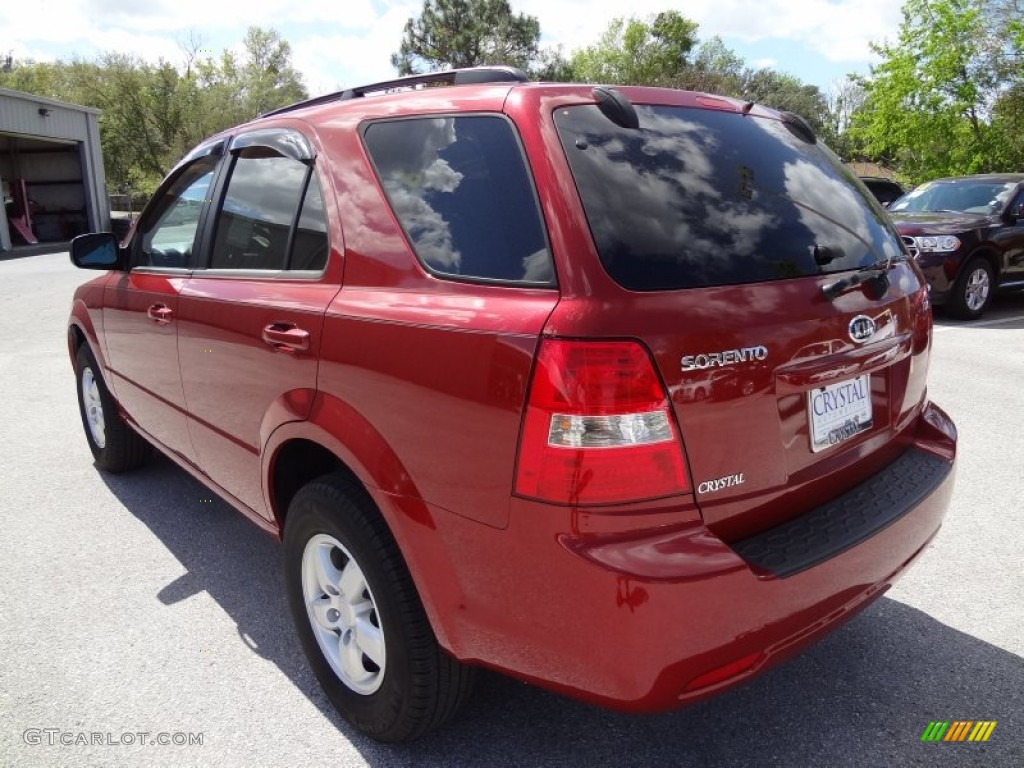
43	190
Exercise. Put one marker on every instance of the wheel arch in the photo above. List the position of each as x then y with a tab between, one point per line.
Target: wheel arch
82	331
989	253
336	438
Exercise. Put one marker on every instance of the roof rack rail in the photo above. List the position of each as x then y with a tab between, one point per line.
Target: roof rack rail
466	76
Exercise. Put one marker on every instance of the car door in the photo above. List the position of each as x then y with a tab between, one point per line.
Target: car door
1012	241
250	319
140	315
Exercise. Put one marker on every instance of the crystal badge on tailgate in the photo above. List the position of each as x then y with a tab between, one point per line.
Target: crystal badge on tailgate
839	411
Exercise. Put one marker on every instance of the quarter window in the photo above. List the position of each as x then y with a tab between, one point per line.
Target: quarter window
460	188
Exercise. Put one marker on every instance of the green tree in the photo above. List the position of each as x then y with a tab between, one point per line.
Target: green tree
153	113
843	102
930	101
452	34
714	68
638	52
785	92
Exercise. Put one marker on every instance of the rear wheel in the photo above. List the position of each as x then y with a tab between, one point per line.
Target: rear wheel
115	446
360	619
973	290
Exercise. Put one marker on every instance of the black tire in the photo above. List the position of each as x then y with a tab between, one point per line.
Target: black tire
122	448
420	686
963	300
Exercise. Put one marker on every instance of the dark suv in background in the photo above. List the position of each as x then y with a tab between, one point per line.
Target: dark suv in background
621	391
967	235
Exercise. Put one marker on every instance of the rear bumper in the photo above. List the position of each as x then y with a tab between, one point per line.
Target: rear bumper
646	622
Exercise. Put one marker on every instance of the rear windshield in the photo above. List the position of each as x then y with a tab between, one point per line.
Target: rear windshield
699	197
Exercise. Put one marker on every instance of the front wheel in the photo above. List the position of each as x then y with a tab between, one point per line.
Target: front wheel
360	619
973	290
115	446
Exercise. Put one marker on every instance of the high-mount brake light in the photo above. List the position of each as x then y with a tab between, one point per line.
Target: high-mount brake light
598	427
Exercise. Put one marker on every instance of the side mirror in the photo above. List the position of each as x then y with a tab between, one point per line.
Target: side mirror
98	250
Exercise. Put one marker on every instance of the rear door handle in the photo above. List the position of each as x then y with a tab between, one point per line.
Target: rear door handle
286	338
161	313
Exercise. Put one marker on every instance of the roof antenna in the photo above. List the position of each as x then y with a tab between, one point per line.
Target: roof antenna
746	108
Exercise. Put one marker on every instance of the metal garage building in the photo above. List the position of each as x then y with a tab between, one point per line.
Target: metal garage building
51	171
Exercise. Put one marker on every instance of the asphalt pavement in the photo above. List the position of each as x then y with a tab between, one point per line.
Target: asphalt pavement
134	605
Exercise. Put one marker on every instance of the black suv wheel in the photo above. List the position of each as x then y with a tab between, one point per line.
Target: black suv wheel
972	292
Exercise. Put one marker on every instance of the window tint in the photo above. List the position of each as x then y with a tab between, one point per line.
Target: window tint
461	190
167	233
310	248
260	205
698	197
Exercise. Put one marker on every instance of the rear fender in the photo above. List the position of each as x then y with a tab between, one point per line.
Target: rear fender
340	429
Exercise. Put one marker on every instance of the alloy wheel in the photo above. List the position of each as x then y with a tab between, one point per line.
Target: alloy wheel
93	406
343	613
977	289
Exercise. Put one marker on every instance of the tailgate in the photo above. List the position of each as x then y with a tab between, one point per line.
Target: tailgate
778	409
721	229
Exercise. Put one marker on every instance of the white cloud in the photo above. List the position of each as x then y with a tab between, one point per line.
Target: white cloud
837	29
344	42
331	62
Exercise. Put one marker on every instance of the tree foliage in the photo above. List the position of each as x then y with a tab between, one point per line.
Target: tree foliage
943	97
637	51
664	50
451	34
153	113
788	93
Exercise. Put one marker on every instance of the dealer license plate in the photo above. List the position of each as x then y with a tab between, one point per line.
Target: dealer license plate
839	411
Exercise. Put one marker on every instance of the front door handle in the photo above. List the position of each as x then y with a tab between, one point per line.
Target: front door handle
286	338
161	313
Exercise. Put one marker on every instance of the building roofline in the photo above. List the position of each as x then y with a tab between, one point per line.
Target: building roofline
49	102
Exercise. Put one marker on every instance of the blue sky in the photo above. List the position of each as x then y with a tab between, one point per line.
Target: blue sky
346	42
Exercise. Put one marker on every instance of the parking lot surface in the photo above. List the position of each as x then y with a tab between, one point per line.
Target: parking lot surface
141	604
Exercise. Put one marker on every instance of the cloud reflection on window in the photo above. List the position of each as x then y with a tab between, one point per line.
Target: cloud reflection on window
702	197
460	189
410	170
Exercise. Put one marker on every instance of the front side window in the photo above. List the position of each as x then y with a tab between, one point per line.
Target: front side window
168	232
460	188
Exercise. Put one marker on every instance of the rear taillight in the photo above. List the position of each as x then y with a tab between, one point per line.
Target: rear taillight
598	427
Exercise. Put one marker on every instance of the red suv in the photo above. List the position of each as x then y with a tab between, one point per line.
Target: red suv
445	341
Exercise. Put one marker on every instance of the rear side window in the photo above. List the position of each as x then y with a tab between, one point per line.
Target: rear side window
256	226
699	197
461	191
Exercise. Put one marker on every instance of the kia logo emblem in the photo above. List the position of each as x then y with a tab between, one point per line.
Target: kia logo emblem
862	328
